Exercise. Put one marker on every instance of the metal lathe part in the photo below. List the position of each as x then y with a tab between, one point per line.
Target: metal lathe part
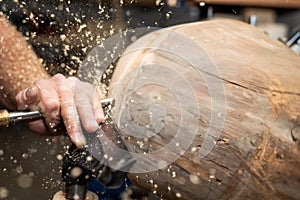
109	101
19	116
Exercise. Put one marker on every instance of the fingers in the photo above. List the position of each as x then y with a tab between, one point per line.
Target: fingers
27	98
86	113
66	89
87	100
38	126
49	103
69	99
97	108
41	96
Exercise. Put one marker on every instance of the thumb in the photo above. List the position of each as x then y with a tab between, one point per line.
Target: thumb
27	98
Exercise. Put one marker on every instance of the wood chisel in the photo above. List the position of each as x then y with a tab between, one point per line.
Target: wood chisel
11	117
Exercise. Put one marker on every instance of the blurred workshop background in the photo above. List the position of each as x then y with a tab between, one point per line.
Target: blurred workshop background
63	32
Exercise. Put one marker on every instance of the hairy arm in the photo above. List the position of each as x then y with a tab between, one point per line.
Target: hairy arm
19	65
25	84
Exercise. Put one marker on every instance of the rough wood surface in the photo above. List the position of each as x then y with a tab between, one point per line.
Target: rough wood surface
256	155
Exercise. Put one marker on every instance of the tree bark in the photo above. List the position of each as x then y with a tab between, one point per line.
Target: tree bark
220	97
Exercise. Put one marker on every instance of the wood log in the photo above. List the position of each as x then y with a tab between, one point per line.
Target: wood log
211	110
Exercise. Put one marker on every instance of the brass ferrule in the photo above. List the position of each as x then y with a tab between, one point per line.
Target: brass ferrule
4	117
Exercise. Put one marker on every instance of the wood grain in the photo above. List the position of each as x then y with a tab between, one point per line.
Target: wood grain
256	155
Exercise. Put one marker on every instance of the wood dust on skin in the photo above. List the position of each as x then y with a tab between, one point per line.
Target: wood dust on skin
17	59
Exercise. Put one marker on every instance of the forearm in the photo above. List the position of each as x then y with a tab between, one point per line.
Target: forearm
19	65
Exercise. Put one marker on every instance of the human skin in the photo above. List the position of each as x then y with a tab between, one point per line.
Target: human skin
19	65
25	84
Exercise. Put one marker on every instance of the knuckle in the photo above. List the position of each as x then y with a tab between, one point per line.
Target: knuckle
65	88
72	80
40	82
18	97
58	77
82	98
53	104
67	104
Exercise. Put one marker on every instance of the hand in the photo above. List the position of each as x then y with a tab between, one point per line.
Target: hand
68	99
